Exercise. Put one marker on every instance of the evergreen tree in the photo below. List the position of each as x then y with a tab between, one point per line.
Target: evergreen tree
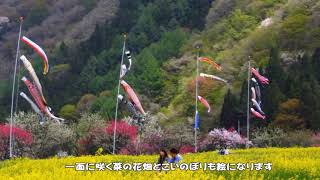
316	63
272	95
88	74
271	98
274	69
311	105
241	110
148	75
306	69
195	10
228	116
293	87
302	83
37	14
61	54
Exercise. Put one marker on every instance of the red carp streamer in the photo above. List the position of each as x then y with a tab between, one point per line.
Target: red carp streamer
257	114
39	51
205	103
132	96
262	79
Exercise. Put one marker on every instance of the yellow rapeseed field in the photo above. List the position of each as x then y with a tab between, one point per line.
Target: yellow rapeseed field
285	163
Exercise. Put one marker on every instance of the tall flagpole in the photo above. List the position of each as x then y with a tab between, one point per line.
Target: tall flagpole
248	101
13	90
117	105
196	109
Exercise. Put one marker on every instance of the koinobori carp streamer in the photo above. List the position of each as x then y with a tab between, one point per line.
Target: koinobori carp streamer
213	77
205	103
257	114
132	96
262	79
39	51
33	75
35	94
211	62
32	104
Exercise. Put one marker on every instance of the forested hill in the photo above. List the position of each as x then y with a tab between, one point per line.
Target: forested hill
50	22
281	36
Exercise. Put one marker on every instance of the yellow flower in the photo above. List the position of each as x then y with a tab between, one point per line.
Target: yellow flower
286	163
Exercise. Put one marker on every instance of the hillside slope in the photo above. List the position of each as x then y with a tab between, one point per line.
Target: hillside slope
50	22
281	36
230	40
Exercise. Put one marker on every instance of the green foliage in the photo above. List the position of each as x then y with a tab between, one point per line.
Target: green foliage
58	86
289	116
86	122
88	74
274	69
4	99
305	86
93	64
235	27
311	106
169	45
272	97
148	75
69	113
298	138
228	117
293	31
37	14
85	103
157	31
3	88
243	99
61	54
105	106
147	24
194	13
268	137
316	63
170	85
99	151
263	8
105	94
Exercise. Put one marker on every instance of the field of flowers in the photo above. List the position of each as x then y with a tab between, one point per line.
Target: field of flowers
287	163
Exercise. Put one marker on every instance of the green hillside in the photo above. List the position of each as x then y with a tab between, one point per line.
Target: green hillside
281	38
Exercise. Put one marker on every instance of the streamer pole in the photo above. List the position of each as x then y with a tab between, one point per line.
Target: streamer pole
196	109
248	101
117	105
11	138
